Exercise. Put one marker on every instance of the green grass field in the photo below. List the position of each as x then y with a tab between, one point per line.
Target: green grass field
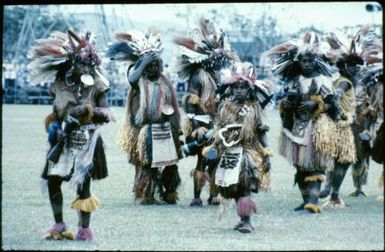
122	224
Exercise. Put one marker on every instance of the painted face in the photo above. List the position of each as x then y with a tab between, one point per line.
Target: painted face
308	63
240	90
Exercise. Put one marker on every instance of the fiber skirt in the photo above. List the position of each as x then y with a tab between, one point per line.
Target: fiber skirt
248	180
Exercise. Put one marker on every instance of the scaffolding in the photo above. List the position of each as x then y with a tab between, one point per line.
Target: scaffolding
15	87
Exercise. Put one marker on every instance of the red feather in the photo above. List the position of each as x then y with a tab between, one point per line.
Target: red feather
187	42
122	37
42	51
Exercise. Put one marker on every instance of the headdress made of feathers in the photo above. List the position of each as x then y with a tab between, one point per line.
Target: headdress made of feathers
361	48
201	44
364	48
245	71
241	71
369	45
286	55
61	50
131	45
371	51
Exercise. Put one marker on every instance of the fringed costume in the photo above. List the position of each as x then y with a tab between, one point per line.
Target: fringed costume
369	111
240	140
378	155
79	109
346	59
150	134
202	56
345	148
308	136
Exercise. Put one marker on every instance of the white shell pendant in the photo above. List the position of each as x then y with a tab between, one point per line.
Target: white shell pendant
87	79
167	110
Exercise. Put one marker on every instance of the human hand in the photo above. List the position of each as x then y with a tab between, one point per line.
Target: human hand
148	57
287	105
307	106
267	164
200	132
70	124
78	110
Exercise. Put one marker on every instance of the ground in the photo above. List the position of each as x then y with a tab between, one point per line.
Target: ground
122	224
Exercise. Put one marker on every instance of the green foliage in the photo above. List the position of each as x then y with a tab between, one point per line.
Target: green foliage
254	36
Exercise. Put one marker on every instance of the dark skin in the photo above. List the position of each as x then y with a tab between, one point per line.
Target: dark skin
86	67
348	71
54	182
308	66
149	65
218	57
241	93
80	110
195	87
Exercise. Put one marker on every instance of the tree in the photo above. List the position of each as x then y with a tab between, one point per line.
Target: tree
251	37
24	24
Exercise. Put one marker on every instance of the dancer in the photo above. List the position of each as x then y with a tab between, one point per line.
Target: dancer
202	57
308	135
348	63
79	109
150	134
241	142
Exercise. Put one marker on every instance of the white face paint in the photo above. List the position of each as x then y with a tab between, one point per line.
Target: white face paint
87	79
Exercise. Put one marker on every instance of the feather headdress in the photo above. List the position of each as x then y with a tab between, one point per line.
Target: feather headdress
202	47
343	49
58	52
364	45
372	54
241	71
363	48
131	45
370	46
285	56
246	72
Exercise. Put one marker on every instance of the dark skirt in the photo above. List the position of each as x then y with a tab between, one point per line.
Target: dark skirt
99	170
378	145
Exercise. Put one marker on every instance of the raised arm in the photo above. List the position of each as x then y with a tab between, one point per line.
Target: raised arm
134	75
